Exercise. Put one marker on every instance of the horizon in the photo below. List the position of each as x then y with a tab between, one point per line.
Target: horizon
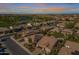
39	8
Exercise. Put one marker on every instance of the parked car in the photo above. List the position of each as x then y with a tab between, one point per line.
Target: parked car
2	50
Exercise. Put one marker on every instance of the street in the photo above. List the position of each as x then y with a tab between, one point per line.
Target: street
14	48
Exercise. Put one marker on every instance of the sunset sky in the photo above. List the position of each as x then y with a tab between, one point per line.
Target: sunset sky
39	8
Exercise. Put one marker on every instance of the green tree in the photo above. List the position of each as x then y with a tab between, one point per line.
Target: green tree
72	37
56	34
69	24
30	40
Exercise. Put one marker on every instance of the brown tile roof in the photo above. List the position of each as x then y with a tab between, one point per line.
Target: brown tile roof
69	48
47	41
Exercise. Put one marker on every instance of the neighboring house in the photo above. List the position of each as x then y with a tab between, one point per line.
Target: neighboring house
20	34
75	53
29	25
36	24
71	18
61	25
69	48
63	18
77	32
55	29
3	30
30	32
77	25
35	38
67	31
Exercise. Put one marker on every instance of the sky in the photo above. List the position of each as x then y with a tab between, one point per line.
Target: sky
39	8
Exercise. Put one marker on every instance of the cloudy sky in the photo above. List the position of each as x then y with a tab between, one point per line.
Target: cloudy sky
38	8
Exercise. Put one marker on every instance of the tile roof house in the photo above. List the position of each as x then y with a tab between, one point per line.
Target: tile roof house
46	43
77	32
69	48
77	25
55	29
3	30
61	25
35	38
67	31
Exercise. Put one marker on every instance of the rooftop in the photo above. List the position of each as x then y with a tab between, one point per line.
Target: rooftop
69	48
47	41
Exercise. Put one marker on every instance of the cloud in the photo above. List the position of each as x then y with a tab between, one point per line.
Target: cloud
73	9
23	7
49	9
34	8
54	9
40	4
6	5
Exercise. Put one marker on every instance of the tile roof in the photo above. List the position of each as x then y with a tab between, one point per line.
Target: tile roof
69	48
47	41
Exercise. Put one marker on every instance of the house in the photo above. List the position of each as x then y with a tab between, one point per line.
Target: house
75	53
21	34
3	30
77	32
61	25
35	38
29	25
36	24
69	48
63	18
30	32
77	25
46	43
71	18
55	29
67	31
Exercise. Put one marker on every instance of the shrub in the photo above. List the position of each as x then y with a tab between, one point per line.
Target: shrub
56	34
69	25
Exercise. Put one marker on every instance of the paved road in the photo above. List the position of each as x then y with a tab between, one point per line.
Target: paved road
14	48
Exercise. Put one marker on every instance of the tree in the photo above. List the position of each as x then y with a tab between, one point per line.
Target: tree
69	25
72	37
56	34
30	40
